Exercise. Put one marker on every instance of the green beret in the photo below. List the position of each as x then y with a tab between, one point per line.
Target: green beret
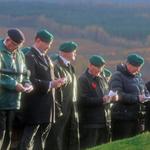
45	36
135	60
16	35
107	73
68	47
97	60
25	50
54	56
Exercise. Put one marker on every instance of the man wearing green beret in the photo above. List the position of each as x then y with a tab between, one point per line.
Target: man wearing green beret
93	89
14	80
65	132
39	107
125	111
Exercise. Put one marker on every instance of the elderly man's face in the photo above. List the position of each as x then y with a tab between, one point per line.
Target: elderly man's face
95	71
11	45
70	56
133	69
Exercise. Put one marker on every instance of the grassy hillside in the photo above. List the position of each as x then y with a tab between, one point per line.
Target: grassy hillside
140	142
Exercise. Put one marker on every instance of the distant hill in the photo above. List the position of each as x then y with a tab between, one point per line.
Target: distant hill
110	30
120	21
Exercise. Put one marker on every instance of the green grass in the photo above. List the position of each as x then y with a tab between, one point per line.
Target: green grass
140	142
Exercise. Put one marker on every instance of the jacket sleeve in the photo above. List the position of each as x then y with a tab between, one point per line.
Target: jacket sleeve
117	84
85	97
7	81
38	84
58	92
148	86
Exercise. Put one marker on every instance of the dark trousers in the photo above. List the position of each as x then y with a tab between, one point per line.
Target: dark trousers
124	129
6	120
147	117
35	136
64	135
90	137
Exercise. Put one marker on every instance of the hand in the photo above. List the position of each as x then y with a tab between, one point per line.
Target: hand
64	80
57	83
106	99
114	98
142	98
28	87
20	87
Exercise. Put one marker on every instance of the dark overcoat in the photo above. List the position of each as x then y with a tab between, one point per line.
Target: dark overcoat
129	88
39	106
13	65
91	106
127	113
65	132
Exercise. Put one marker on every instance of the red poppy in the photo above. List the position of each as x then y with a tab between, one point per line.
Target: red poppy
93	85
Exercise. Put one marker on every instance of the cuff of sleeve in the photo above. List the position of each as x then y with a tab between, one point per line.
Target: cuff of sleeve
50	86
13	85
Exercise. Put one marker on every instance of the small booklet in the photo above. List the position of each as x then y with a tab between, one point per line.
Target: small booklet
112	93
147	98
28	89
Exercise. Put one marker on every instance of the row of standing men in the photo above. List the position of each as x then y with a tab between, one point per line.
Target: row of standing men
48	109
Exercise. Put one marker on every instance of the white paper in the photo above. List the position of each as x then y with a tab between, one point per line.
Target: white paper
112	93
146	97
28	89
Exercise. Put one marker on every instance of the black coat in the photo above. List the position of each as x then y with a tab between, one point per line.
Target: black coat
147	116
65	132
129	88
91	107
39	106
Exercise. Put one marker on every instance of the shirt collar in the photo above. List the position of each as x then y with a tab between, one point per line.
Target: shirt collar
38	50
66	62
4	42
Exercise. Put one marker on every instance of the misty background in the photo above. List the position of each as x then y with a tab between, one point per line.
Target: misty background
112	28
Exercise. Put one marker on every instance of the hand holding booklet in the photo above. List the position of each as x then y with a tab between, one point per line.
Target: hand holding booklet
112	93
28	88
113	96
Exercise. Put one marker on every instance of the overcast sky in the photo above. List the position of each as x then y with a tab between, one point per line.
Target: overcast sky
118	1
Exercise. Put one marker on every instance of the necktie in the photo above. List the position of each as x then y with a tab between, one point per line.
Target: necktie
69	67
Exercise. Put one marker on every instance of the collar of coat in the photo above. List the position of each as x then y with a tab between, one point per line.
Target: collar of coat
61	62
36	53
65	61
